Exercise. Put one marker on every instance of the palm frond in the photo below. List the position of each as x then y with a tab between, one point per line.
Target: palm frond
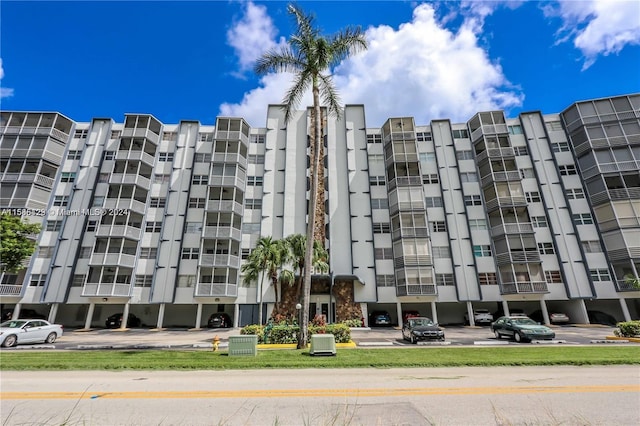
330	95
295	93
346	43
284	60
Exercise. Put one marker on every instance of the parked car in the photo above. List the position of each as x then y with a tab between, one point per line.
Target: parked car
480	316
24	313
115	321
409	314
421	328
219	320
521	329
554	317
17	332
597	317
379	318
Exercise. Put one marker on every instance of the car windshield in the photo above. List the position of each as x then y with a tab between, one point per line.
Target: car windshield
524	321
12	324
421	322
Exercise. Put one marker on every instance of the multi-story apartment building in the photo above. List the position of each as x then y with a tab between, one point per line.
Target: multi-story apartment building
539	212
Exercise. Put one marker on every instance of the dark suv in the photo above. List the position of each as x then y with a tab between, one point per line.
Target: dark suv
219	320
379	318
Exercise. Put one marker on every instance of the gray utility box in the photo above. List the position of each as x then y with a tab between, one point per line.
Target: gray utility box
246	345
323	344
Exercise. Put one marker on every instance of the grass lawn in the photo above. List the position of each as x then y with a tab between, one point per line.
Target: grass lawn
346	358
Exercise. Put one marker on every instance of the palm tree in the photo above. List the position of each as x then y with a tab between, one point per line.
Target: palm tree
310	57
297	244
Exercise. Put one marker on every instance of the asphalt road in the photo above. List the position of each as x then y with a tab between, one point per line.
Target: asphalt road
598	395
387	336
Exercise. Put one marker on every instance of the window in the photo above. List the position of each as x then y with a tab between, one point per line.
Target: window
468	177
464	155
444	279
74	155
186	280
433	201
482	251
381	228
385	280
148	252
153	227
193	228
441	252
427	157
202	158
80	134
165	156
553	277
374	138
582	219
45	252
600	275
560	146
554	125
539	221
526	173
377	181
92	225
168	136
115	134
423	136
60	200
438	226
461	134
533	197
190	253
143	280
196	203
205	137
546	248
487	278
251	228
160	178
78	280
592	246
85	252
255	159
254	180
158	202
379	203
472	200
37	280
103	178
200	179
432	178
568	169
109	155
516	129
253	203
575	193
53	225
384	253
245	253
376	160
477	224
256	138
520	150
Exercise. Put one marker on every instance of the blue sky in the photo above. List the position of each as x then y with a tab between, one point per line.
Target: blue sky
193	60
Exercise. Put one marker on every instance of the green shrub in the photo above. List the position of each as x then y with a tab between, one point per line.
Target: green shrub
254	329
628	329
284	333
355	322
341	332
280	334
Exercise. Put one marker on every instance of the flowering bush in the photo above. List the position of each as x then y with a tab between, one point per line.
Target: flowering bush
628	329
285	333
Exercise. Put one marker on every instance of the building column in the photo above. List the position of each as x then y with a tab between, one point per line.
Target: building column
125	317
53	312
87	321
583	311
472	318
625	309
236	315
545	312
505	308
399	313
198	316
160	316
434	311
16	311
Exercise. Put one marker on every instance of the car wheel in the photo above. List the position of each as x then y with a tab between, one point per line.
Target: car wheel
413	340
497	333
517	337
10	341
51	338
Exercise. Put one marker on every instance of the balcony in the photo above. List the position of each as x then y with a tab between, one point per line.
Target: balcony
623	285
10	289
506	176
129	132
40	131
122	204
412	260
512	228
488	129
124	231
603	168
35	178
222	232
106	290
410	232
136	155
527	256
506	202
131	178
220	157
491	153
615	195
224	206
237	181
113	259
524	287
219	260
416	290
215	289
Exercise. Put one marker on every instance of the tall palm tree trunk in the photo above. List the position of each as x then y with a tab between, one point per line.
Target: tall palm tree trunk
315	164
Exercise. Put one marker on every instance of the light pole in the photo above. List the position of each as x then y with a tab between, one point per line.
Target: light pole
298	310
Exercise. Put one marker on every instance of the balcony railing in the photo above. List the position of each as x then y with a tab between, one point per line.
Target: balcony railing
622	166
507	176
129	132
136	155
36	178
224	206
488	129
222	232
131	178
124	231
623	285
223	157
10	289
416	290
123	204
504	152
238	181
219	260
114	259
106	289
529	256
512	228
412	260
506	202
46	131
215	289
410	233
524	287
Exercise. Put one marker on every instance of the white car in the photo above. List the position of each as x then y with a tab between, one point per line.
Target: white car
17	332
480	316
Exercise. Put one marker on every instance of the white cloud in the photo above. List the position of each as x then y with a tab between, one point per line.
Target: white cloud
252	35
598	27
420	69
5	92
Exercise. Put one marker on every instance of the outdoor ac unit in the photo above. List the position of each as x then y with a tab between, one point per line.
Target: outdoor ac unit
323	344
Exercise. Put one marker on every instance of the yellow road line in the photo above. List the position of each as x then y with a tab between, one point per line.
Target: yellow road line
305	393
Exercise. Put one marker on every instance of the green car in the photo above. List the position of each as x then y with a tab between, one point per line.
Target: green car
521	329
